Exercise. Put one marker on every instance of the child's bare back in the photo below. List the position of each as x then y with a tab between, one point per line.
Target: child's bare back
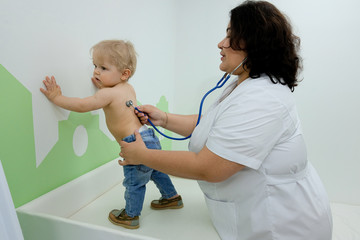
120	119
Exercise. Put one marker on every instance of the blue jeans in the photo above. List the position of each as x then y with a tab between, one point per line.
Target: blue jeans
137	176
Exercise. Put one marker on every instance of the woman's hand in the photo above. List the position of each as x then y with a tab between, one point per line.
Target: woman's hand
52	90
157	117
133	153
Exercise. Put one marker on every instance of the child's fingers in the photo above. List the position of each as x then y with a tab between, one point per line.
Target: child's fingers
49	85
52	80
45	83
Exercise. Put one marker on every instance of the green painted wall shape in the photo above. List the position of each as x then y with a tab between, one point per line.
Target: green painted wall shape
61	165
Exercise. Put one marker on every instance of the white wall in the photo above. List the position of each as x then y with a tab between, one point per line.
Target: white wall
327	99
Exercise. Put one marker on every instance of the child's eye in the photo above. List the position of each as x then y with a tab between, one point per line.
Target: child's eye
103	68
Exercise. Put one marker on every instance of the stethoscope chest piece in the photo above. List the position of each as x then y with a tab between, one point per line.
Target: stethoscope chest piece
129	103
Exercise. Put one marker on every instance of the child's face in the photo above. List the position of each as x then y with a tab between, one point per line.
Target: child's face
106	74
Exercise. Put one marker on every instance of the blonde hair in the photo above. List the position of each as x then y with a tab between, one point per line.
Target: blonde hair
118	52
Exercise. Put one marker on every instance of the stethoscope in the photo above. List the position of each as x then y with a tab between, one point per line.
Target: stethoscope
221	83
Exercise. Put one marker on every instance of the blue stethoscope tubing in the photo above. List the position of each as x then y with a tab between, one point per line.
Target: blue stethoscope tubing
220	83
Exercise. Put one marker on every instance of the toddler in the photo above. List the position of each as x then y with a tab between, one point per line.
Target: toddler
114	63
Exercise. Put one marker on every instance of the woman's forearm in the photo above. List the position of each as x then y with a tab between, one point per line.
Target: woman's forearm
176	163
181	124
204	166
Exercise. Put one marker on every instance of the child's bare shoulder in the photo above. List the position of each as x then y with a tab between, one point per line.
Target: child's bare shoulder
124	88
122	92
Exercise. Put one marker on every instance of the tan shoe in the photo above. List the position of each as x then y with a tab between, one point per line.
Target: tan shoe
120	218
162	203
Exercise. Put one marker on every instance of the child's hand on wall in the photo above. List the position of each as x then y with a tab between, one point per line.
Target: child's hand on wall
52	89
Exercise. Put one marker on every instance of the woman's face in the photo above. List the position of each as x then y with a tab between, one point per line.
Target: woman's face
230	58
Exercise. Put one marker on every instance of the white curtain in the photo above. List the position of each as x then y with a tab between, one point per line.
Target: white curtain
9	223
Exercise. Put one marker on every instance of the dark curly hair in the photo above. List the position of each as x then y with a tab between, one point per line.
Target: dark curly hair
267	38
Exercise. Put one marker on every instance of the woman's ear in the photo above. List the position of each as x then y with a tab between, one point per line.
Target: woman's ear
126	74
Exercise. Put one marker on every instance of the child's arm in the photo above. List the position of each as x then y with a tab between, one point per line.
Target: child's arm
53	93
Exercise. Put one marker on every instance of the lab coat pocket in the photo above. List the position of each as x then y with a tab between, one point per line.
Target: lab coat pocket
223	216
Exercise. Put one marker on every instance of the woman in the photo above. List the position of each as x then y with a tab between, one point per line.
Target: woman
248	151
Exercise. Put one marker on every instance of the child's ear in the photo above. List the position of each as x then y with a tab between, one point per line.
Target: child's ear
125	74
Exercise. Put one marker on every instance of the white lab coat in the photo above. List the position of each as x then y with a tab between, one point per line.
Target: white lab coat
278	195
